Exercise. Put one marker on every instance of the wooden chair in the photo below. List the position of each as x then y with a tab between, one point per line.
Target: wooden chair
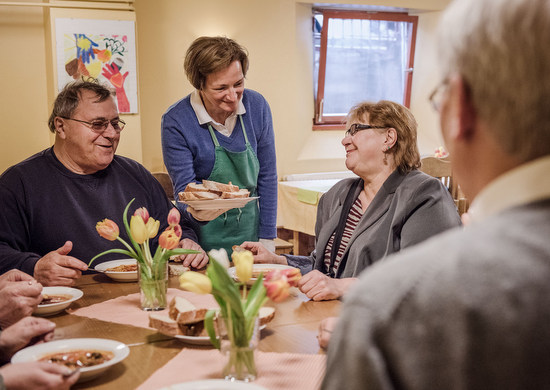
166	183
441	169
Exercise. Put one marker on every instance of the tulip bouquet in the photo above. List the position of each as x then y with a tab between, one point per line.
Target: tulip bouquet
152	268
238	307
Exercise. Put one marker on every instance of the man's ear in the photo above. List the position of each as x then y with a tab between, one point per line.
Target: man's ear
467	116
59	127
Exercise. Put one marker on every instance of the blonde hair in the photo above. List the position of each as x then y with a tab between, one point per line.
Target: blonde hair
499	49
208	55
390	114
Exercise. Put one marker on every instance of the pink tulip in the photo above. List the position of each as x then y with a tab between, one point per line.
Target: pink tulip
174	217
143	213
107	229
293	276
277	290
177	230
169	239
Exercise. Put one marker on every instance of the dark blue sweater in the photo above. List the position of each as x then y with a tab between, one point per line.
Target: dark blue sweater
188	150
43	204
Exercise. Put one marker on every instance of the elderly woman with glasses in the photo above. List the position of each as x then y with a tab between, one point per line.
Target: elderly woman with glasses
390	206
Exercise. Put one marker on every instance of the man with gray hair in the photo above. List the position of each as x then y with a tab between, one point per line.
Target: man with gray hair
470	308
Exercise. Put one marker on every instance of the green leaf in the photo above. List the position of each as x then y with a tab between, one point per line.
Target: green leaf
209	325
122	251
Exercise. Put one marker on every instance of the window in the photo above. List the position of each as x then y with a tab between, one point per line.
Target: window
360	56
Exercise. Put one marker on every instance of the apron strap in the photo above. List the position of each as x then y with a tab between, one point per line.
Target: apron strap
215	139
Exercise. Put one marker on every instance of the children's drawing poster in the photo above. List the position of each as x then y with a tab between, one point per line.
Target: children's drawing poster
103	50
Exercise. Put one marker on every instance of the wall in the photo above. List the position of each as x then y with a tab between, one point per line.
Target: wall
277	35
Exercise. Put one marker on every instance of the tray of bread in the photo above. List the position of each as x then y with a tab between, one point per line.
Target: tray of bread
212	195
185	321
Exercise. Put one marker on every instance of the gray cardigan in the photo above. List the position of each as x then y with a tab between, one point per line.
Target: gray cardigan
406	210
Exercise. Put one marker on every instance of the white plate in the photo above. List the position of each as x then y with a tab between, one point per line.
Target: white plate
218	204
38	351
54	308
118	276
200	340
255	267
214	384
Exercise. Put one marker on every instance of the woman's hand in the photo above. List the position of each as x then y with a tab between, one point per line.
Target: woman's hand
320	287
28	331
326	327
261	254
195	260
38	376
206	215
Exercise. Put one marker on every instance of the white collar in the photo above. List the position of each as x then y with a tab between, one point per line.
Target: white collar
525	184
200	111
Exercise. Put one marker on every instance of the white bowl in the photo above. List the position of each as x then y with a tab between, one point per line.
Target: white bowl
54	308
37	352
258	267
118	276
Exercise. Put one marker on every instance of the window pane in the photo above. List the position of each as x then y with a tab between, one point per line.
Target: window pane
366	60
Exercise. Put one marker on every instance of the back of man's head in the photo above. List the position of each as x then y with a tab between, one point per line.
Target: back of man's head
500	48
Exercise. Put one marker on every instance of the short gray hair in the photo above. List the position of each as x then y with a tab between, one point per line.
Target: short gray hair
499	47
69	98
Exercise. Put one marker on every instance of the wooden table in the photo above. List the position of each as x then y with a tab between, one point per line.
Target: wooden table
294	329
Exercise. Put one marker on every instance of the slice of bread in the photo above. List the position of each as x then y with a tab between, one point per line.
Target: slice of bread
184	312
242	193
195	187
164	324
221	187
266	314
198	195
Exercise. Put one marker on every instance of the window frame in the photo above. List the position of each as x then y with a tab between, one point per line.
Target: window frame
321	122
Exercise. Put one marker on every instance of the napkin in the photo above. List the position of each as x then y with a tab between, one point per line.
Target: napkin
275	370
127	309
307	196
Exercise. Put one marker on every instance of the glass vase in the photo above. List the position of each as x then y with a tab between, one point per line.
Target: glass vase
153	286
238	343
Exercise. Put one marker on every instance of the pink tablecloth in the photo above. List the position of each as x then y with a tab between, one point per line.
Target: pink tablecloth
275	370
127	310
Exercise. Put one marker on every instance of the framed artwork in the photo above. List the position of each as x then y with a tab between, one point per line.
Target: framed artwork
103	50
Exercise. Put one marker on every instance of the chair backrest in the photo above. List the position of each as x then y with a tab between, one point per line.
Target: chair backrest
441	169
166	183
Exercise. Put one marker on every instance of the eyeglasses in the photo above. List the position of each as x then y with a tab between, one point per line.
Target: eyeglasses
353	129
100	126
437	95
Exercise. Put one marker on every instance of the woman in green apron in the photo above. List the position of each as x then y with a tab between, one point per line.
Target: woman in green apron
223	132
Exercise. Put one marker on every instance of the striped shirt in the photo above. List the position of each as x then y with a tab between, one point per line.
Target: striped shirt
355	214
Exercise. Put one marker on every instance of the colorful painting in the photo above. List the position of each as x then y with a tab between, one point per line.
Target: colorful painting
102	50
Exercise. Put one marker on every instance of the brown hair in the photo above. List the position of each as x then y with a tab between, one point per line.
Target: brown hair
208	55
390	114
69	98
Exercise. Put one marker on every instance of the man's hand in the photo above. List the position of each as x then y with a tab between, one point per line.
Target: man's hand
261	254
195	260
19	296
38	376
58	269
326	327
320	287
25	332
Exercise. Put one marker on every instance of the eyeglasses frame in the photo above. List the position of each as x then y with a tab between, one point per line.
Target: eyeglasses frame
106	123
356	127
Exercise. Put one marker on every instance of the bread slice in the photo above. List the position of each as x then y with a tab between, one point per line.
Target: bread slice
221	187
195	187
266	314
164	324
184	312
242	193
199	195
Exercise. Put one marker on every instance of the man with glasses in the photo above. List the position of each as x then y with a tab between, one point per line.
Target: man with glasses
52	201
470	308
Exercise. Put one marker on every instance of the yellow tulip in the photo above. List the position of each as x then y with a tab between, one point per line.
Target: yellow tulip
243	264
152	226
138	230
195	282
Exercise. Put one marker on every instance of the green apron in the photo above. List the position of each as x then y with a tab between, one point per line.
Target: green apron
236	225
